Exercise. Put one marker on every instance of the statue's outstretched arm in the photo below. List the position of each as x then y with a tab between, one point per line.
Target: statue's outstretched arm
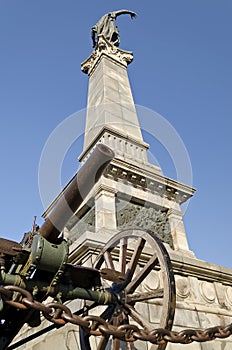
93	35
125	12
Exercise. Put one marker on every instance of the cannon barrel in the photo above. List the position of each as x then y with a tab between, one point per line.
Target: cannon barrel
75	192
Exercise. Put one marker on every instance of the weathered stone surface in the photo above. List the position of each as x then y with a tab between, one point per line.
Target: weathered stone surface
131	215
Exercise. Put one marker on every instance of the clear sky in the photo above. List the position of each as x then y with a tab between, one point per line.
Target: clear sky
182	70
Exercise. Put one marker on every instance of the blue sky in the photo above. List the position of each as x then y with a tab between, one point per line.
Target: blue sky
182	70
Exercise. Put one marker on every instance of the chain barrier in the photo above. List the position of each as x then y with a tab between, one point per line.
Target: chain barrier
60	314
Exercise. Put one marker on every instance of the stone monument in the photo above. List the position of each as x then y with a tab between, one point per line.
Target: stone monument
134	193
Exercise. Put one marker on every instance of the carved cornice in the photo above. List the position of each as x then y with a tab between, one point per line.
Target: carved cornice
100	188
105	48
121	171
116	133
151	182
187	266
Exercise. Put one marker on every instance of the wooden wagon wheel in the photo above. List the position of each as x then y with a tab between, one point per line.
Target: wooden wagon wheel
139	267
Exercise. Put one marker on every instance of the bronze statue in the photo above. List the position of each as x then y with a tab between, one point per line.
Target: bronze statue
106	26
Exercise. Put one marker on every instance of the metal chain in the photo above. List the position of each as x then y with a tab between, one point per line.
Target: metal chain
60	314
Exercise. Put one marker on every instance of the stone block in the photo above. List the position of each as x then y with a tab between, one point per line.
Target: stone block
192	346
186	318
210	319
110	83
96	99
140	345
195	290
215	345
155	313
112	65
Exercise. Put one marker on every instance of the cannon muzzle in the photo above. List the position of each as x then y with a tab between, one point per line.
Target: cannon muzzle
75	192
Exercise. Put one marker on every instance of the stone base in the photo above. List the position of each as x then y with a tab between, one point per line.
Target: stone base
204	299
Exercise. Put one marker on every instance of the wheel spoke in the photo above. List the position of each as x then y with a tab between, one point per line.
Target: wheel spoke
107	314
84	339
103	342
130	346
122	255
142	274
109	260
134	259
116	344
133	298
138	318
116	321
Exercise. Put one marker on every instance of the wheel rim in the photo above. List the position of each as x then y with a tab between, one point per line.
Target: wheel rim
141	258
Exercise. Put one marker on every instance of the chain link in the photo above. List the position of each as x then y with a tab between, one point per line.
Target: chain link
60	314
